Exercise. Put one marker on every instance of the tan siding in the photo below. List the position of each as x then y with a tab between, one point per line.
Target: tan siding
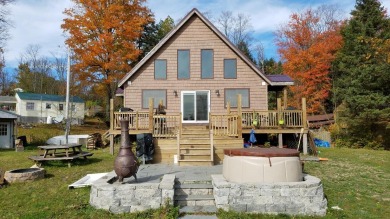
195	35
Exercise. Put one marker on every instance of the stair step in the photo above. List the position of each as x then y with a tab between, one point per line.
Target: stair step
194	186
194	141
193	197
196	163
197	152
198	209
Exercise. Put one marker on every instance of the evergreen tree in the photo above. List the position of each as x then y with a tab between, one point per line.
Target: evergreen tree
362	76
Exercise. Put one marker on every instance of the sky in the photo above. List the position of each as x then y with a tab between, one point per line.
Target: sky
37	22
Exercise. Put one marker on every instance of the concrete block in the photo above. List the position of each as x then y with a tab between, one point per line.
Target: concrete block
275	208
256	208
221	200
238	207
290	191
136	208
260	200
221	191
270	192
119	209
281	200
242	200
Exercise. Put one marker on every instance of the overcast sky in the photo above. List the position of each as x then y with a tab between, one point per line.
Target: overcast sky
37	22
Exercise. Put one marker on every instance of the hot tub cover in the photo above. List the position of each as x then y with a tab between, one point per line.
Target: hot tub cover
262	152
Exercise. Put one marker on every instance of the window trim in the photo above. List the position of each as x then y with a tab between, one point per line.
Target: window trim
201	64
249	97
166	69
224	73
189	64
142	98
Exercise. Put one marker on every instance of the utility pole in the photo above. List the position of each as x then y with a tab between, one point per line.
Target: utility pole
67	128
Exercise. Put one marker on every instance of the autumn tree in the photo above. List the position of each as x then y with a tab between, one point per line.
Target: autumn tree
307	45
362	76
102	35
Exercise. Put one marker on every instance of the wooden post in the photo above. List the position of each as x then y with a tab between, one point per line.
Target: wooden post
279	108
280	139
304	142
112	144
178	146
111	126
136	120
151	108
228	107
285	98
212	146
304	113
239	119
111	114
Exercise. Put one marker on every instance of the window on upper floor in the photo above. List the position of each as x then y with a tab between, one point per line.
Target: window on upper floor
231	95
29	106
183	64
160	69
230	68
48	105
60	106
207	63
157	95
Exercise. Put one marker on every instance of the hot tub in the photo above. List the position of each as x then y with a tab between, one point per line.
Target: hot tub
256	165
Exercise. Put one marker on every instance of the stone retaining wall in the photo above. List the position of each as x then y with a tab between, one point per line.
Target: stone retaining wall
121	198
293	198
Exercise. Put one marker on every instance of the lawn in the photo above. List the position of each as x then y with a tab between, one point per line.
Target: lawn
355	180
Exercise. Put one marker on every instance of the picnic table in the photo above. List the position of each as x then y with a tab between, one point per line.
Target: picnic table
65	152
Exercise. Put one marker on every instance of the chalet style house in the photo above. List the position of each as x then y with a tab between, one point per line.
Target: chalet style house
211	94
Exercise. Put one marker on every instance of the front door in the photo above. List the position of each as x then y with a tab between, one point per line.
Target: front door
195	106
5	136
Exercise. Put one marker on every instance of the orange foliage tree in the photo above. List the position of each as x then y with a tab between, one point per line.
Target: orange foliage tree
102	36
307	46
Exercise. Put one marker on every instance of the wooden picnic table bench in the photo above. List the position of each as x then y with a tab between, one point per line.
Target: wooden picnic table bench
67	152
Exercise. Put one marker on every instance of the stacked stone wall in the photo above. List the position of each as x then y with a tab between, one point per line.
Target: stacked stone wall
292	198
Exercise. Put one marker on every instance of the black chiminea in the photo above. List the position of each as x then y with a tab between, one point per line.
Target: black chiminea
125	163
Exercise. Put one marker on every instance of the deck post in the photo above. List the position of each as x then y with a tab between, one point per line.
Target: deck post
304	143
280	139
239	119
304	113
228	107
285	98
212	145
151	108
136	120
304	121
279	109
111	126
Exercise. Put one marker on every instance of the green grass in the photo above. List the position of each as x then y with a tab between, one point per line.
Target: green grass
356	180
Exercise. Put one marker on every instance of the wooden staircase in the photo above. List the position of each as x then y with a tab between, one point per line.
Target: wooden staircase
195	147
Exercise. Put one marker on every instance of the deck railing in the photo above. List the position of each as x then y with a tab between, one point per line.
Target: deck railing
225	125
222	125
165	125
272	119
137	120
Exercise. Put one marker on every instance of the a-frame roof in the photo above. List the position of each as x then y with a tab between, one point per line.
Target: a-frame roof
194	12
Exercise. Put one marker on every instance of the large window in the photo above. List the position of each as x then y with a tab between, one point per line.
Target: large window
29	106
231	96
183	64
230	68
207	60
158	95
160	69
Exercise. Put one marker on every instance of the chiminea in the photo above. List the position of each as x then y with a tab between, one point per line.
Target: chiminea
125	163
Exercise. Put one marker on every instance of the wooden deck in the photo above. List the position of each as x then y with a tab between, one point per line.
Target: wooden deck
225	130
